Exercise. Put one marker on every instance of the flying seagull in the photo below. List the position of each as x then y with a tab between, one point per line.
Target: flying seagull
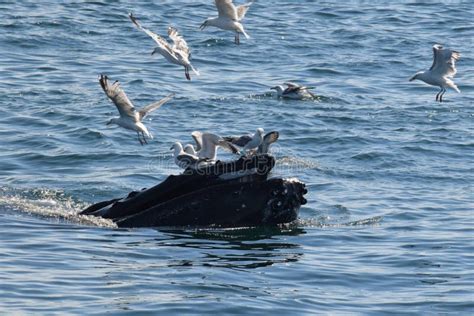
229	18
293	91
442	70
178	53
129	118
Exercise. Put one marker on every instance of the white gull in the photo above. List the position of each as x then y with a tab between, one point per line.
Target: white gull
185	160
207	144
293	91
129	118
178	53
229	18
442	70
263	148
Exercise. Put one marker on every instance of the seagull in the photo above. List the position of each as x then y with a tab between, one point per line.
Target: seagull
129	118
185	160
264	146
229	18
207	143
442	70
293	91
248	142
178	53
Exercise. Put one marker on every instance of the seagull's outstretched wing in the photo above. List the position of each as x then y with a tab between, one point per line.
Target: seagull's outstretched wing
242	10
179	43
228	146
268	139
154	106
205	141
292	87
226	9
118	97
157	38
197	136
271	137
238	141
444	61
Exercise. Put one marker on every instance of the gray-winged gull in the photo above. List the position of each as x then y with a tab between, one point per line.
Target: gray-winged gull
442	70
207	144
293	91
178	53
129	118
264	146
229	18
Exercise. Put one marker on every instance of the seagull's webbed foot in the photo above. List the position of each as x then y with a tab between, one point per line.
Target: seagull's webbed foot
144	138
237	39
441	95
139	139
186	73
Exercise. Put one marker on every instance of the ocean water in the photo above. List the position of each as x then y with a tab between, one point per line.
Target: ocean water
388	227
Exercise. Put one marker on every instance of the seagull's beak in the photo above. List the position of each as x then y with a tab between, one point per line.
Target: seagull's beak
153	52
203	25
172	147
412	78
108	123
273	88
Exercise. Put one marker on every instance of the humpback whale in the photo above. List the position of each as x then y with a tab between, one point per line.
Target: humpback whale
225	194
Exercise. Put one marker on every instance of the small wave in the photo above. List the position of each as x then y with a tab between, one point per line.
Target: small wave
325	71
327	15
463	28
47	68
373	155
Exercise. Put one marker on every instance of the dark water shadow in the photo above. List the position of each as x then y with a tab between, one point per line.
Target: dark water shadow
238	248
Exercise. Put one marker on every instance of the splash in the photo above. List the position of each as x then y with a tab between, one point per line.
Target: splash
49	204
293	165
321	223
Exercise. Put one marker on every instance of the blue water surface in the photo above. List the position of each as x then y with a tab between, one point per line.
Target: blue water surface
388	227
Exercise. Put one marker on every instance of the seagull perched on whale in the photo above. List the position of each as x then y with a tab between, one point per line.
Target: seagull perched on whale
178	53
229	18
293	91
207	144
129	118
185	160
263	148
245	140
442	70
